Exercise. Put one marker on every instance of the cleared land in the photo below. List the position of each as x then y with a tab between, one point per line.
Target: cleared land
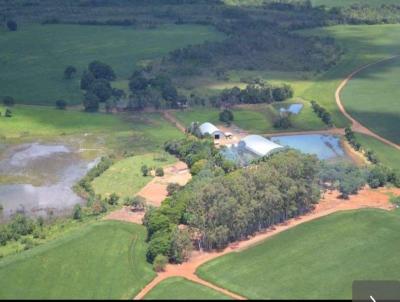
74	267
388	155
257	118
177	288
303	262
371	97
125	177
33	58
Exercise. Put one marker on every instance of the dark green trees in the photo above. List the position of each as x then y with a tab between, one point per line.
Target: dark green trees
226	116
69	72
12	25
96	82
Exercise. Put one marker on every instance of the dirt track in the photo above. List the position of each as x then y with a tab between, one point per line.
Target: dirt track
366	198
357	126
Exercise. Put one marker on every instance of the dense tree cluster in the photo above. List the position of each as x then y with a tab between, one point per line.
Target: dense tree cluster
158	92
20	226
253	94
96	83
249	200
322	113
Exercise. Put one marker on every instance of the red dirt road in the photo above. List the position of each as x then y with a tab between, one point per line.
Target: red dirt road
357	126
366	198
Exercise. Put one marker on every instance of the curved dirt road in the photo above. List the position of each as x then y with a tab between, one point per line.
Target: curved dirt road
357	126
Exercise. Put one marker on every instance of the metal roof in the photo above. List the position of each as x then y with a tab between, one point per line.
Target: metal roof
259	145
208	128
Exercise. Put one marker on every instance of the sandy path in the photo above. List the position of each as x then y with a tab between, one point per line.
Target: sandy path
366	198
357	126
169	117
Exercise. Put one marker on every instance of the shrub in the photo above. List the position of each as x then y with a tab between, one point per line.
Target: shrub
160	172
98	207
378	176
8	113
138	203
12	25
61	104
198	166
172	188
282	122
8	101
69	72
145	170
160	262
226	116
77	212
112	199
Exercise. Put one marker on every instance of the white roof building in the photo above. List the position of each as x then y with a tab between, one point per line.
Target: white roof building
208	128
259	145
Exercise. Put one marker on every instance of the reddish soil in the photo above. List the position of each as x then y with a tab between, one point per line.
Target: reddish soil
156	190
357	126
125	214
169	117
366	198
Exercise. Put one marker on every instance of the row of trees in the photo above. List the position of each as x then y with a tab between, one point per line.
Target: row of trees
254	94
322	113
352	139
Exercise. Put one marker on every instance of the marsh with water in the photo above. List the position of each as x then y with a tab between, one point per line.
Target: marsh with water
37	178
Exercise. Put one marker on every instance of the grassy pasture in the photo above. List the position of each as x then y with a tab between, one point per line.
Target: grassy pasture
316	260
102	261
33	59
388	155
125	177
257	118
372	97
177	288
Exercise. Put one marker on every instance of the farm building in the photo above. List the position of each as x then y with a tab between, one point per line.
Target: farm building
259	145
210	129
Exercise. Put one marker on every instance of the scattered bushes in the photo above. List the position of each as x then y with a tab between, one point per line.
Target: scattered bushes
138	203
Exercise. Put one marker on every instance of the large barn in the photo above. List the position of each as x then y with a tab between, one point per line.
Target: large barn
210	129
259	145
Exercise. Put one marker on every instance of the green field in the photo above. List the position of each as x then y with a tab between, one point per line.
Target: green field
125	177
33	58
316	260
362	45
177	288
256	118
142	132
102	261
372	98
387	155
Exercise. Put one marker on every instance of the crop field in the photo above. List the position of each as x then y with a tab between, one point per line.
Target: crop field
33	58
257	118
316	260
388	155
372	98
125	177
102	261
177	288
362	45
134	132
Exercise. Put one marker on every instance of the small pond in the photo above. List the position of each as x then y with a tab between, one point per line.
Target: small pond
293	108
324	146
37	179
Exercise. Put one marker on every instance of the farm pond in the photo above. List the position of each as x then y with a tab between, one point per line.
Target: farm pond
325	147
37	179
